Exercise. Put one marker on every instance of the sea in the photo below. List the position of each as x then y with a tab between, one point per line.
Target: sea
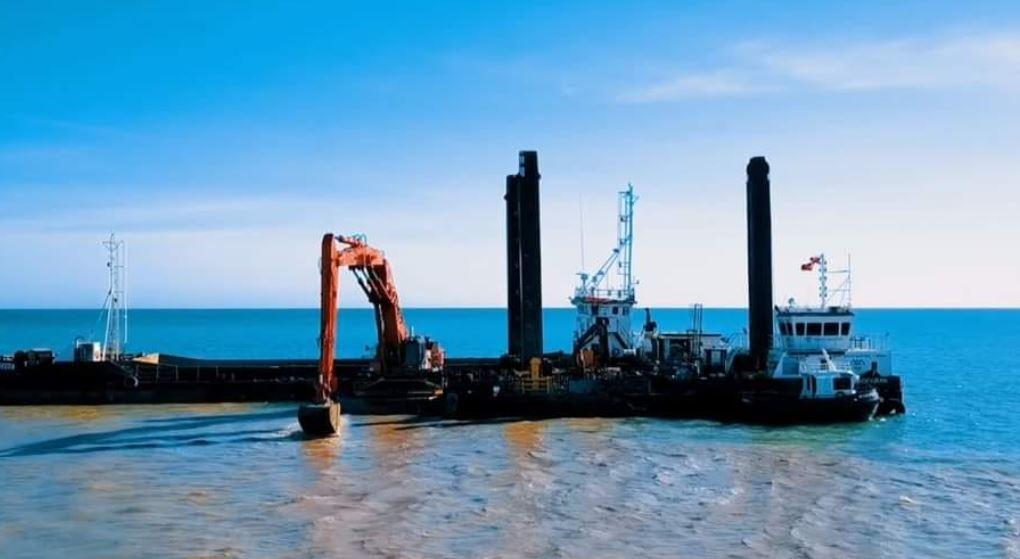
239	480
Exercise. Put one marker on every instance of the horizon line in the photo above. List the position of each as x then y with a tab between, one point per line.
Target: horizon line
279	308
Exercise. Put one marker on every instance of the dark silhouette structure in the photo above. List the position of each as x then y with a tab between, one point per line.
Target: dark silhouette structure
524	260
759	262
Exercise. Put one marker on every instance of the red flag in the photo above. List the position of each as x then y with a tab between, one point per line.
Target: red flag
810	264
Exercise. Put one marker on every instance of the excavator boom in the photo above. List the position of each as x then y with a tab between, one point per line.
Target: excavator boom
398	350
375	277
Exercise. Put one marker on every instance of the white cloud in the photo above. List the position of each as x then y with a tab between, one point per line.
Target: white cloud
708	84
987	61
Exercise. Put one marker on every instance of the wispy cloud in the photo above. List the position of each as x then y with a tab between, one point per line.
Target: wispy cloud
709	84
161	214
75	127
989	60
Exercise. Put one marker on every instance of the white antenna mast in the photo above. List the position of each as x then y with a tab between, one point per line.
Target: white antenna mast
580	212
116	301
625	239
823	271
843	290
849	284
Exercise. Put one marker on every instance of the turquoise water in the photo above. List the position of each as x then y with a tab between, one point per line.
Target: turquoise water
238	480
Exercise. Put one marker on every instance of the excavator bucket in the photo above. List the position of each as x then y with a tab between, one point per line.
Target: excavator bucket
319	420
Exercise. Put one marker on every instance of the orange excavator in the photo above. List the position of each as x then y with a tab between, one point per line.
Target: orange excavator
399	352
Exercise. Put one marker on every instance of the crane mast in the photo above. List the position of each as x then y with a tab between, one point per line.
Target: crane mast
597	285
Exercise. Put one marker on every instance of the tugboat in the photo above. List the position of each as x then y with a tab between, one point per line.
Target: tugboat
819	354
822	347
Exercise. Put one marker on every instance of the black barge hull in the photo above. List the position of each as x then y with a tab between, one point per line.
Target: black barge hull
725	399
176	380
470	388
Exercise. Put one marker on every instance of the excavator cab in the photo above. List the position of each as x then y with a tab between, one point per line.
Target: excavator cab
422	354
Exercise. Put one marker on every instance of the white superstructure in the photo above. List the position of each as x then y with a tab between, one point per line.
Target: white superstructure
603	302
820	344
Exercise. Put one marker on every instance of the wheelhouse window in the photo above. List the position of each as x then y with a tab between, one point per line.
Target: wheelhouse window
831	328
800	328
845	329
814	328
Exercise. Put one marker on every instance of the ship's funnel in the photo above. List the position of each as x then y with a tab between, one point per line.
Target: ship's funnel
759	262
524	260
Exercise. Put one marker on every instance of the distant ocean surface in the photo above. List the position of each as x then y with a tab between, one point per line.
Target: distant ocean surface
237	480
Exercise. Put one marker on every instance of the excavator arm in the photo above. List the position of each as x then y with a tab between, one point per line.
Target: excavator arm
398	350
329	295
375	277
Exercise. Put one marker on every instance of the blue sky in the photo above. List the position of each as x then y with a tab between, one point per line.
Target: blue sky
221	143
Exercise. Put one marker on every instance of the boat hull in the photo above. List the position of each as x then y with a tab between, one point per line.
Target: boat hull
779	408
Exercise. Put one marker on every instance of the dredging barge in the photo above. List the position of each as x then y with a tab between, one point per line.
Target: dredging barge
832	375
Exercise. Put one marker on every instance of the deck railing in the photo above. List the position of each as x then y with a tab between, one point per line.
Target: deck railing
869	342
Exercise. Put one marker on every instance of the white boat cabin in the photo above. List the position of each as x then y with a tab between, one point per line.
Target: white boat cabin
614	313
824	338
807	334
812	330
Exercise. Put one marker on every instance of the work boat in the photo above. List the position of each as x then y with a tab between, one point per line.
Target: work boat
821	369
